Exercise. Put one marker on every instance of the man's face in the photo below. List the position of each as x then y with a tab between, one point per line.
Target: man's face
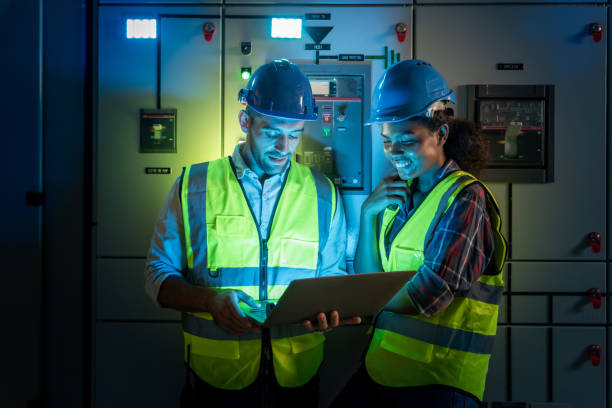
272	142
412	148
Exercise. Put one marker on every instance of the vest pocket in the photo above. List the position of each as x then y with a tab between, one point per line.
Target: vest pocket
405	346
406	258
201	346
299	254
305	342
225	241
230	225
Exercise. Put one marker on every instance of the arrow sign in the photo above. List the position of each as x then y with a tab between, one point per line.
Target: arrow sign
318	33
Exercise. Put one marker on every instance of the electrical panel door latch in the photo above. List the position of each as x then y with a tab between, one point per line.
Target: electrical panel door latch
596	30
594	352
594	239
595	295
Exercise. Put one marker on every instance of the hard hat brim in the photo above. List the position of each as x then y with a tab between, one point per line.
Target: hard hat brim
286	115
399	115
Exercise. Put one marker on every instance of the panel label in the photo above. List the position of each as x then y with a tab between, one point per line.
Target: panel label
351	57
505	66
158	170
317	16
317	47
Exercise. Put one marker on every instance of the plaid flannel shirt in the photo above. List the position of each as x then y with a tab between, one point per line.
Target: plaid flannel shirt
459	251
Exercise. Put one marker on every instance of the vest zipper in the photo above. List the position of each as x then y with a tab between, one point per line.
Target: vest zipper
263	270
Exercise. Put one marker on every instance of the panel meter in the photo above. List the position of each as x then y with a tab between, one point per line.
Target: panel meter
517	121
338	144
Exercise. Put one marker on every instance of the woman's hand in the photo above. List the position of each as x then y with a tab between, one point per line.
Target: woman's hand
391	190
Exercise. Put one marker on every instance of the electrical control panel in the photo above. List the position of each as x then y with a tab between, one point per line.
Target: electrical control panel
338	144
517	121
158	131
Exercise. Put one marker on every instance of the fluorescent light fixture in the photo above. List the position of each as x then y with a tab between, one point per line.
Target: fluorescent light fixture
286	28
141	28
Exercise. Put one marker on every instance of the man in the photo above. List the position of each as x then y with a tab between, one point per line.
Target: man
240	229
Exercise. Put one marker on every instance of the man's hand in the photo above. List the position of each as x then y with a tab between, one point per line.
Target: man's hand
334	321
223	305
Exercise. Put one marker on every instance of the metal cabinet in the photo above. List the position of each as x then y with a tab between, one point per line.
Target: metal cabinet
189	79
138	347
549	221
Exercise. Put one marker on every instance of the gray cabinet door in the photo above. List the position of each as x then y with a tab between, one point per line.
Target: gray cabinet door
128	200
576	380
549	221
552	365
529	363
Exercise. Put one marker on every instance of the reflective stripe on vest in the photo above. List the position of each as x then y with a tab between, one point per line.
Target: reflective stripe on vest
453	346
225	250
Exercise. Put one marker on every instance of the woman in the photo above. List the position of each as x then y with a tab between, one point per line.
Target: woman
431	345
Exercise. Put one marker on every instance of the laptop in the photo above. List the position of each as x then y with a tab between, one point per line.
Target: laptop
362	295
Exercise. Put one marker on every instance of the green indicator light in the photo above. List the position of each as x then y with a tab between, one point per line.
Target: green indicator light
326	132
245	73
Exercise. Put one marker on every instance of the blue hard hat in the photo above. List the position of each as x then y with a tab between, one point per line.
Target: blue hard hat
280	89
407	89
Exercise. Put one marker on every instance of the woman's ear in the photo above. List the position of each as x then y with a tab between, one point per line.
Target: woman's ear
243	119
443	134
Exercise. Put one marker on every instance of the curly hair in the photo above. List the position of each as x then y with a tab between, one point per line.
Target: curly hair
465	143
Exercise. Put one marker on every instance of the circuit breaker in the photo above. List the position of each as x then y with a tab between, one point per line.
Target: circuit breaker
158	130
517	121
338	144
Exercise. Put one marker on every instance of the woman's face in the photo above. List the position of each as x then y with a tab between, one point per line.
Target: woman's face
412	148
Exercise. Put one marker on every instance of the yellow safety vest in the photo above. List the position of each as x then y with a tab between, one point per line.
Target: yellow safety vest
452	347
226	250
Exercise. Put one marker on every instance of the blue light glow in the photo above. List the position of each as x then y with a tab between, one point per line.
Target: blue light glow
286	28
141	28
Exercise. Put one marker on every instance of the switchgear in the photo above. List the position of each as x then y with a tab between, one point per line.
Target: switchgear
158	131
338	144
517	121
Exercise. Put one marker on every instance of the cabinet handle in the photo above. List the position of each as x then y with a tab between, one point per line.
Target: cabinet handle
596	30
594	239
594	352
595	295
